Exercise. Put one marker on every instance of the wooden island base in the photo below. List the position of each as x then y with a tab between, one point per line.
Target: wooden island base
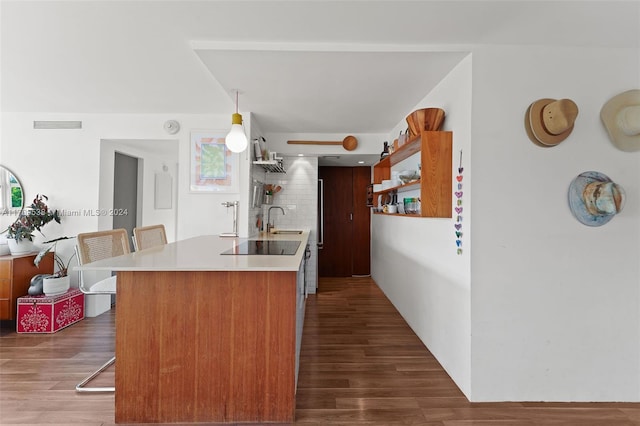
205	346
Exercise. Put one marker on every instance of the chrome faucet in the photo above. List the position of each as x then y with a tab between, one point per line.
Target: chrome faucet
269	225
234	233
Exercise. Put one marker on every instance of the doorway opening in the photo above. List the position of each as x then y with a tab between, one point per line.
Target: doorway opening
123	187
125	191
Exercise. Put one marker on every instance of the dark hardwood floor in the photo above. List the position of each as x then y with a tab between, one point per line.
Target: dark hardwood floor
360	365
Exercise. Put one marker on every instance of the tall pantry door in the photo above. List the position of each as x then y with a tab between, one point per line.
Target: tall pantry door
346	222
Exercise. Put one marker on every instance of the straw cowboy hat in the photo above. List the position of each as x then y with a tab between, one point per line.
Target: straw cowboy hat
594	199
621	117
550	121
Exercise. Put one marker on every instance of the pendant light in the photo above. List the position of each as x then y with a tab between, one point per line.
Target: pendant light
236	140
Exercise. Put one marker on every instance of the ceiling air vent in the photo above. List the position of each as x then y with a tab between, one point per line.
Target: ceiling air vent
57	124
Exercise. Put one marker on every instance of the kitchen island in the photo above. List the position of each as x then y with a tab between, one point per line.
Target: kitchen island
204	337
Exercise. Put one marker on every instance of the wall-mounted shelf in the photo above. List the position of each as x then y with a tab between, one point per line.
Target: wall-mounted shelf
435	150
272	166
400	188
398	214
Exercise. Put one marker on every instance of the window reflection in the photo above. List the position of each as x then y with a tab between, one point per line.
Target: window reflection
11	195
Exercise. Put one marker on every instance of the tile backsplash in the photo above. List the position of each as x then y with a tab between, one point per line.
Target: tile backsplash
299	199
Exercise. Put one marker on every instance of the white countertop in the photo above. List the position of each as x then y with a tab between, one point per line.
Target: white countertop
203	254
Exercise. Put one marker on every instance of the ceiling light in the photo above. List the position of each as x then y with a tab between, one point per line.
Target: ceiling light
360	162
236	140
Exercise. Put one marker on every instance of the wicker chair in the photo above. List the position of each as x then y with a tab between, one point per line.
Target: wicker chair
91	247
149	236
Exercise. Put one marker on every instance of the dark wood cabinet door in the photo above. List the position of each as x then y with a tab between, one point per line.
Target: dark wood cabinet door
346	223
334	259
361	253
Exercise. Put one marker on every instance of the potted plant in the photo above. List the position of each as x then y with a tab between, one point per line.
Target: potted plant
58	282
20	236
20	233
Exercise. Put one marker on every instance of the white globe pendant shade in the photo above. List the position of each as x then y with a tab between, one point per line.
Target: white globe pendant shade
236	140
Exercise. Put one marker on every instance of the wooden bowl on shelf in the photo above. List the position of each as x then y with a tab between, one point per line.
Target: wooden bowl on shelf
429	119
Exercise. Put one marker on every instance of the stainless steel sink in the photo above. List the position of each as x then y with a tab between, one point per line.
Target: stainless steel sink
287	231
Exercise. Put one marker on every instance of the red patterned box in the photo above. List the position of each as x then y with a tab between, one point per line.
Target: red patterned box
48	314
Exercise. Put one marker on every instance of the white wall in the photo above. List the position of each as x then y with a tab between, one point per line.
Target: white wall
65	165
415	261
554	303
538	307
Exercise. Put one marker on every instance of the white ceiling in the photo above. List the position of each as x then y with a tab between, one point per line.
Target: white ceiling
301	66
328	92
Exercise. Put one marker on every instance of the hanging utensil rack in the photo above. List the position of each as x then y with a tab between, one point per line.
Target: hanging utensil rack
273	166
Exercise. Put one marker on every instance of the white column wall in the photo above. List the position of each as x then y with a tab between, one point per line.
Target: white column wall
538	307
554	303
415	261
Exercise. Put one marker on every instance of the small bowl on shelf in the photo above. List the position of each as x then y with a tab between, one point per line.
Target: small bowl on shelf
409	176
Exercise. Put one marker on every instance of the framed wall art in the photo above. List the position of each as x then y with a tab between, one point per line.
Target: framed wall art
213	167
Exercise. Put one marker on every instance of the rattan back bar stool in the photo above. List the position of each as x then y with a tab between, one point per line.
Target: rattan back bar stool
91	247
149	236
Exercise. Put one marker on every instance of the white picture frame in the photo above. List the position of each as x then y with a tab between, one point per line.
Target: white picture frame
213	168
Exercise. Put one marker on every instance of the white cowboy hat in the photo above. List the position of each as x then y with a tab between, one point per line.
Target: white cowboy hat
621	117
594	199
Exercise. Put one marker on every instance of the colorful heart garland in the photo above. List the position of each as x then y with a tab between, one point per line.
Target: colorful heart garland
458	194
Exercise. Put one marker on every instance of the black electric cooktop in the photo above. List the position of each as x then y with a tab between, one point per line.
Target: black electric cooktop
265	247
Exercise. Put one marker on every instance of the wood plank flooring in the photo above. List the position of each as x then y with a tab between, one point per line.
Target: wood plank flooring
360	365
